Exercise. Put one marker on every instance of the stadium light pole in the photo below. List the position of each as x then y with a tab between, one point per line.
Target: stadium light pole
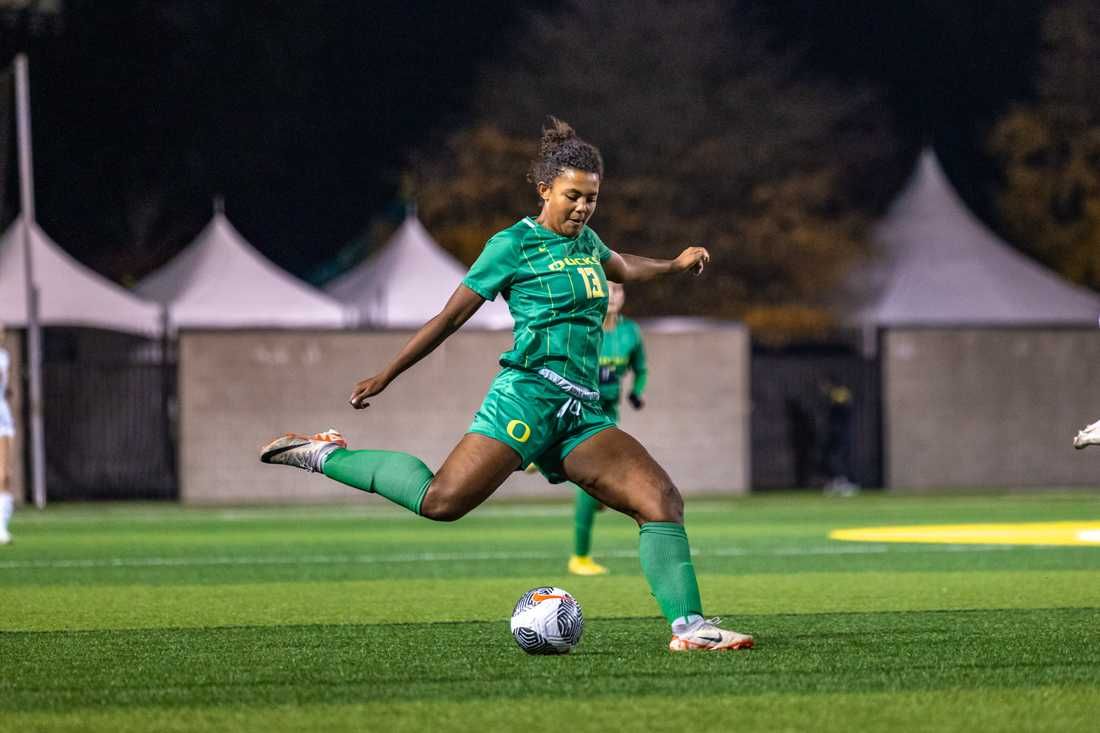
34	330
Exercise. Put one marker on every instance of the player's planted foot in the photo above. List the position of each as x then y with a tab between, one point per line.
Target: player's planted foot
303	451
5	537
1089	435
705	636
585	565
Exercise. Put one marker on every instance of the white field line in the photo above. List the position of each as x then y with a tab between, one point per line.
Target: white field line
288	513
141	562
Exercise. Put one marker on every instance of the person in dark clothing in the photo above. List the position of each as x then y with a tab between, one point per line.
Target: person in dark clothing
838	438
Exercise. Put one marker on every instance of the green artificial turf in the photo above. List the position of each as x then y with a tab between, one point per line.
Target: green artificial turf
160	618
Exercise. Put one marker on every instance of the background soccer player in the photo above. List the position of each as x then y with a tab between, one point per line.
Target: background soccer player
622	351
7	434
542	406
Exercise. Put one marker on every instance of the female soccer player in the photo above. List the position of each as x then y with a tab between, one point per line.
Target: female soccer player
543	406
622	351
7	434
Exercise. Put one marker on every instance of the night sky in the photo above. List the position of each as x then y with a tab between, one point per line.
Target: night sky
302	114
949	68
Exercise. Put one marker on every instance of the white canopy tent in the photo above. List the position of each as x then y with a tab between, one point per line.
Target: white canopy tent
938	265
407	282
70	294
221	281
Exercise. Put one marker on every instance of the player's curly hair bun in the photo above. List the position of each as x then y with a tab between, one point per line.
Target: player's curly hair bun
554	134
560	148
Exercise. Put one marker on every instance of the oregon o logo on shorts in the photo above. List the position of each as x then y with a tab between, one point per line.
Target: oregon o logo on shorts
519	431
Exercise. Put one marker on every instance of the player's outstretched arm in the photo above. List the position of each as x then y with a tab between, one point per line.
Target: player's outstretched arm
462	305
625	268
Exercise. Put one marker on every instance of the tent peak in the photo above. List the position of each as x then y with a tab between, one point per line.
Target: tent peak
220	280
71	293
406	282
939	264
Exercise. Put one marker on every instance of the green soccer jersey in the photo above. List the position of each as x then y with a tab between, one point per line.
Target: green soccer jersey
622	351
557	293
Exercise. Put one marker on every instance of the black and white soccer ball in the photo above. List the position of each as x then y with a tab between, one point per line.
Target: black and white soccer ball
547	620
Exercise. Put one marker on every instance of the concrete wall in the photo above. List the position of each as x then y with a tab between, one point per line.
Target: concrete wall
989	407
237	390
13	342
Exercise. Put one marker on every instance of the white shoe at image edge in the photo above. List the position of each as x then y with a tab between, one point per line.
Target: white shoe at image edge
1089	435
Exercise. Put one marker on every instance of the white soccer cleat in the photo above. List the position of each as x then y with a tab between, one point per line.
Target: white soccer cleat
1089	435
705	636
303	451
5	537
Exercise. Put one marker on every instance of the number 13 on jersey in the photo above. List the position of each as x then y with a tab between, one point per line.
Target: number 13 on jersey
592	283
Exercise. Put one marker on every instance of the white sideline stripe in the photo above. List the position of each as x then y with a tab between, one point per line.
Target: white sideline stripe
142	562
373	514
288	513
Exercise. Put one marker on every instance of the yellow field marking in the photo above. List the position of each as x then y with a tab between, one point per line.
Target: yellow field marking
1030	533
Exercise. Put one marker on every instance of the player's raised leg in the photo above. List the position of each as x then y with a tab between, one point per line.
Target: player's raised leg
618	471
1088	435
476	468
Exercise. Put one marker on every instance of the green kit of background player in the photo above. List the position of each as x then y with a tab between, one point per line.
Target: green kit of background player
542	407
622	351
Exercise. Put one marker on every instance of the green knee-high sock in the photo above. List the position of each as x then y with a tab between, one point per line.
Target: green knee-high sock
666	562
401	478
584	514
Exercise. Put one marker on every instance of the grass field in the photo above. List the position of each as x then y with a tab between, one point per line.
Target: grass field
141	618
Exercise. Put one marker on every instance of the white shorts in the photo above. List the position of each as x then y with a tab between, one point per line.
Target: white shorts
7	427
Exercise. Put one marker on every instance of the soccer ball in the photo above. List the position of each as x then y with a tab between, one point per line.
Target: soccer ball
547	620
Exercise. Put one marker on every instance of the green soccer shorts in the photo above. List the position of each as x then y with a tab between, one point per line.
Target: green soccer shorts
525	412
